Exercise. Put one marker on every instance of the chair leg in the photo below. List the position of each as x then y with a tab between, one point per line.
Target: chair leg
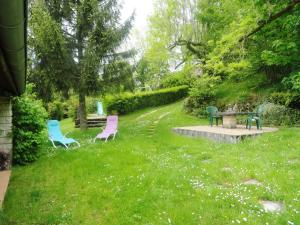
217	121
249	125
259	125
53	144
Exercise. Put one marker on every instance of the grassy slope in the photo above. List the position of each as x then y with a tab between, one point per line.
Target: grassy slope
149	175
230	92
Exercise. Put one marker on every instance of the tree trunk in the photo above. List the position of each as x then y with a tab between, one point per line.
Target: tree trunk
82	110
82	88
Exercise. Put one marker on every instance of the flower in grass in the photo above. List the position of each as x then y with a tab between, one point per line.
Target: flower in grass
290	222
245	219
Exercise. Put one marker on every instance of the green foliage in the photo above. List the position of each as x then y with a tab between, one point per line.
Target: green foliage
132	102
202	93
287	99
275	114
292	82
183	77
29	121
72	43
57	110
117	77
51	62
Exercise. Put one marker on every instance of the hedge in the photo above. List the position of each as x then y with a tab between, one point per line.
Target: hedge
128	103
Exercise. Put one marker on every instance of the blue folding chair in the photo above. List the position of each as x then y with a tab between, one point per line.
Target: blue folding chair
55	134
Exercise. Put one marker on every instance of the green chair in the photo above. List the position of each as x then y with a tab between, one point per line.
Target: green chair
255	117
213	114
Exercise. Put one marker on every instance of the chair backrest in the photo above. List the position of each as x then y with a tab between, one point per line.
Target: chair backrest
261	109
100	108
212	110
54	129
111	123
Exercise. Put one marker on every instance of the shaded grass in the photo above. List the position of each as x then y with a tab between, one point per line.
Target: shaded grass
157	177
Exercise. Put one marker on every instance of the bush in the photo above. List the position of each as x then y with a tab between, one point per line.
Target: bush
275	114
177	79
201	94
29	121
57	110
292	82
288	99
131	102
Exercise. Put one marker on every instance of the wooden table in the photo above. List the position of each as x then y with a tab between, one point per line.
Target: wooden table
229	118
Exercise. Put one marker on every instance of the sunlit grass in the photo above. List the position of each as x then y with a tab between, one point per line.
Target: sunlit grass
150	175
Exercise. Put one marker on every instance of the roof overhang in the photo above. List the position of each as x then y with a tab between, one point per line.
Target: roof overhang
13	33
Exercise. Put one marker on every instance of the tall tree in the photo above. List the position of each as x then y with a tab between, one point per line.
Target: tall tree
91	33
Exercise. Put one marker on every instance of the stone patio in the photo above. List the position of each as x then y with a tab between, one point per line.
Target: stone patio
220	134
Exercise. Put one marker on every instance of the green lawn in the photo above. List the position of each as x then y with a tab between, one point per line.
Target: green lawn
149	175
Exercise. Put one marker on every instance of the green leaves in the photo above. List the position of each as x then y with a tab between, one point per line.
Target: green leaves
283	53
29	122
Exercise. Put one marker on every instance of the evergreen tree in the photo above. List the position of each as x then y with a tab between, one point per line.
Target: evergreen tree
76	39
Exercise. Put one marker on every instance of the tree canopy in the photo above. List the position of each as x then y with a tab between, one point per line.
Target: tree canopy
228	38
71	42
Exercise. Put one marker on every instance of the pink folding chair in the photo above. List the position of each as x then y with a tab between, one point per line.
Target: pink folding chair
111	128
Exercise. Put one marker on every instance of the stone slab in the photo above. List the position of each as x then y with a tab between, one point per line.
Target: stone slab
220	134
4	180
252	182
273	207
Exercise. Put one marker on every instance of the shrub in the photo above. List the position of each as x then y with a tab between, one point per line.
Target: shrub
72	104
292	82
286	98
177	79
29	120
131	102
275	114
91	104
57	110
202	93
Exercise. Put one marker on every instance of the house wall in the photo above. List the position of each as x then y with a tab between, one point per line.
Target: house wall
6	128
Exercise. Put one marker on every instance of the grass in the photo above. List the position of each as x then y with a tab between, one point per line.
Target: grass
231	91
150	175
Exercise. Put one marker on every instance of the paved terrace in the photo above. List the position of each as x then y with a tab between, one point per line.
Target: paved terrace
220	134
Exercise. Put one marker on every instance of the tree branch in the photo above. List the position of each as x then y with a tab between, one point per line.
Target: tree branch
190	45
273	17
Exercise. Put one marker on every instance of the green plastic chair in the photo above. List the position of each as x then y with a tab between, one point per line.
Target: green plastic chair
255	117
213	114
